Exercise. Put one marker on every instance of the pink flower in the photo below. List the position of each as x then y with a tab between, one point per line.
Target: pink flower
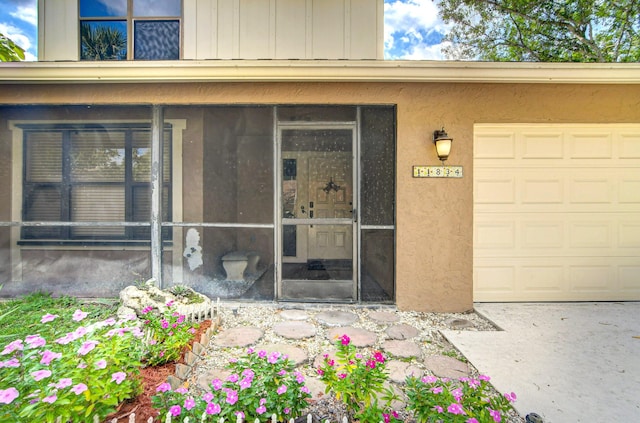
232	397
13	346
82	365
118	377
282	389
163	387
217	384
14	362
320	372
192	331
305	390
79	315
457	394
386	417
429	379
164	324
233	378
175	410
299	377
79	388
455	408
189	403
40	374
287	410
87	347
101	364
239	415
273	357
8	395
510	397
50	399
378	357
207	397
35	341
48	318
484	378
371	364
436	389
438	408
344	339
48	356
262	353
496	415
170	303
212	408
261	410
63	383
245	383
147	309
472	420
182	390
342	375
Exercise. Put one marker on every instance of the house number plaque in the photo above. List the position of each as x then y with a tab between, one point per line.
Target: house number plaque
437	171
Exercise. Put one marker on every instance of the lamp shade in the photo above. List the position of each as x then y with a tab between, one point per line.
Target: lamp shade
443	144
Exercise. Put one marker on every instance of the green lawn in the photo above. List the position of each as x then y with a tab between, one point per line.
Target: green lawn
19	317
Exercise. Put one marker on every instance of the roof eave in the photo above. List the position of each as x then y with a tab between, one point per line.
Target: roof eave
318	71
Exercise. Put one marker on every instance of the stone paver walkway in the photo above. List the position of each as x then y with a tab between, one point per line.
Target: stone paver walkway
398	341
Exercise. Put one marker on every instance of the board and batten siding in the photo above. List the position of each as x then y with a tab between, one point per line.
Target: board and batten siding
244	29
556	211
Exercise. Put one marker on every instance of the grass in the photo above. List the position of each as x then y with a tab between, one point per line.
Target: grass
19	317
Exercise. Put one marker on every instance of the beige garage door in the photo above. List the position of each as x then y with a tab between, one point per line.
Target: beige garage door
556	212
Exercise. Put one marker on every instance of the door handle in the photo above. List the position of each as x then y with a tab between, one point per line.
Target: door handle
354	212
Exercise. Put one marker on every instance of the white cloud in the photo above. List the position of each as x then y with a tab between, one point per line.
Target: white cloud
28	14
408	24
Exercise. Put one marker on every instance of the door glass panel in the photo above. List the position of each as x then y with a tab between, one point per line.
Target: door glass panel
317	214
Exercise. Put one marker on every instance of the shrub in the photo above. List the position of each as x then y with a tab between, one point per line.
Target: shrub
358	382
466	400
167	335
260	385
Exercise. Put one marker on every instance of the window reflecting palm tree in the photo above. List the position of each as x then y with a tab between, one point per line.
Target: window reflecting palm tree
102	42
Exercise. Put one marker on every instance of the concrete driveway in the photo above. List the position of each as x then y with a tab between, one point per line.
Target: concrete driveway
568	362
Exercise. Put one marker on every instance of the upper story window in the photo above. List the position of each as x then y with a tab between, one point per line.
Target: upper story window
130	29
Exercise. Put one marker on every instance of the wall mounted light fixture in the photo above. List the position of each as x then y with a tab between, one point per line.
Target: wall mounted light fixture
443	144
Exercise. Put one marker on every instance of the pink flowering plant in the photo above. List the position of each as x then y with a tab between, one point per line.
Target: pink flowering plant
359	382
73	376
466	400
167	334
260	385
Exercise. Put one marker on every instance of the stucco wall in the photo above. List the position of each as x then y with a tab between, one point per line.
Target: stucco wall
434	216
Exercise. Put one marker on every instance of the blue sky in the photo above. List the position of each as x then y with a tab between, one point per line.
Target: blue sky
413	30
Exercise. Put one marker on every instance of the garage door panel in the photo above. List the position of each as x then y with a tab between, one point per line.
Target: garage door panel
546	145
629	143
629	236
556	214
629	191
495	189
590	145
495	145
495	235
537	190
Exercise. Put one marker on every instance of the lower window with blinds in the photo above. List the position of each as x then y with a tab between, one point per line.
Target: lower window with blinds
90	173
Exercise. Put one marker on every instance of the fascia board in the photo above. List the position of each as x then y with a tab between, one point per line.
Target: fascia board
319	71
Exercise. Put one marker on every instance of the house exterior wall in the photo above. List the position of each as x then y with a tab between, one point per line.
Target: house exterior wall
244	29
434	242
